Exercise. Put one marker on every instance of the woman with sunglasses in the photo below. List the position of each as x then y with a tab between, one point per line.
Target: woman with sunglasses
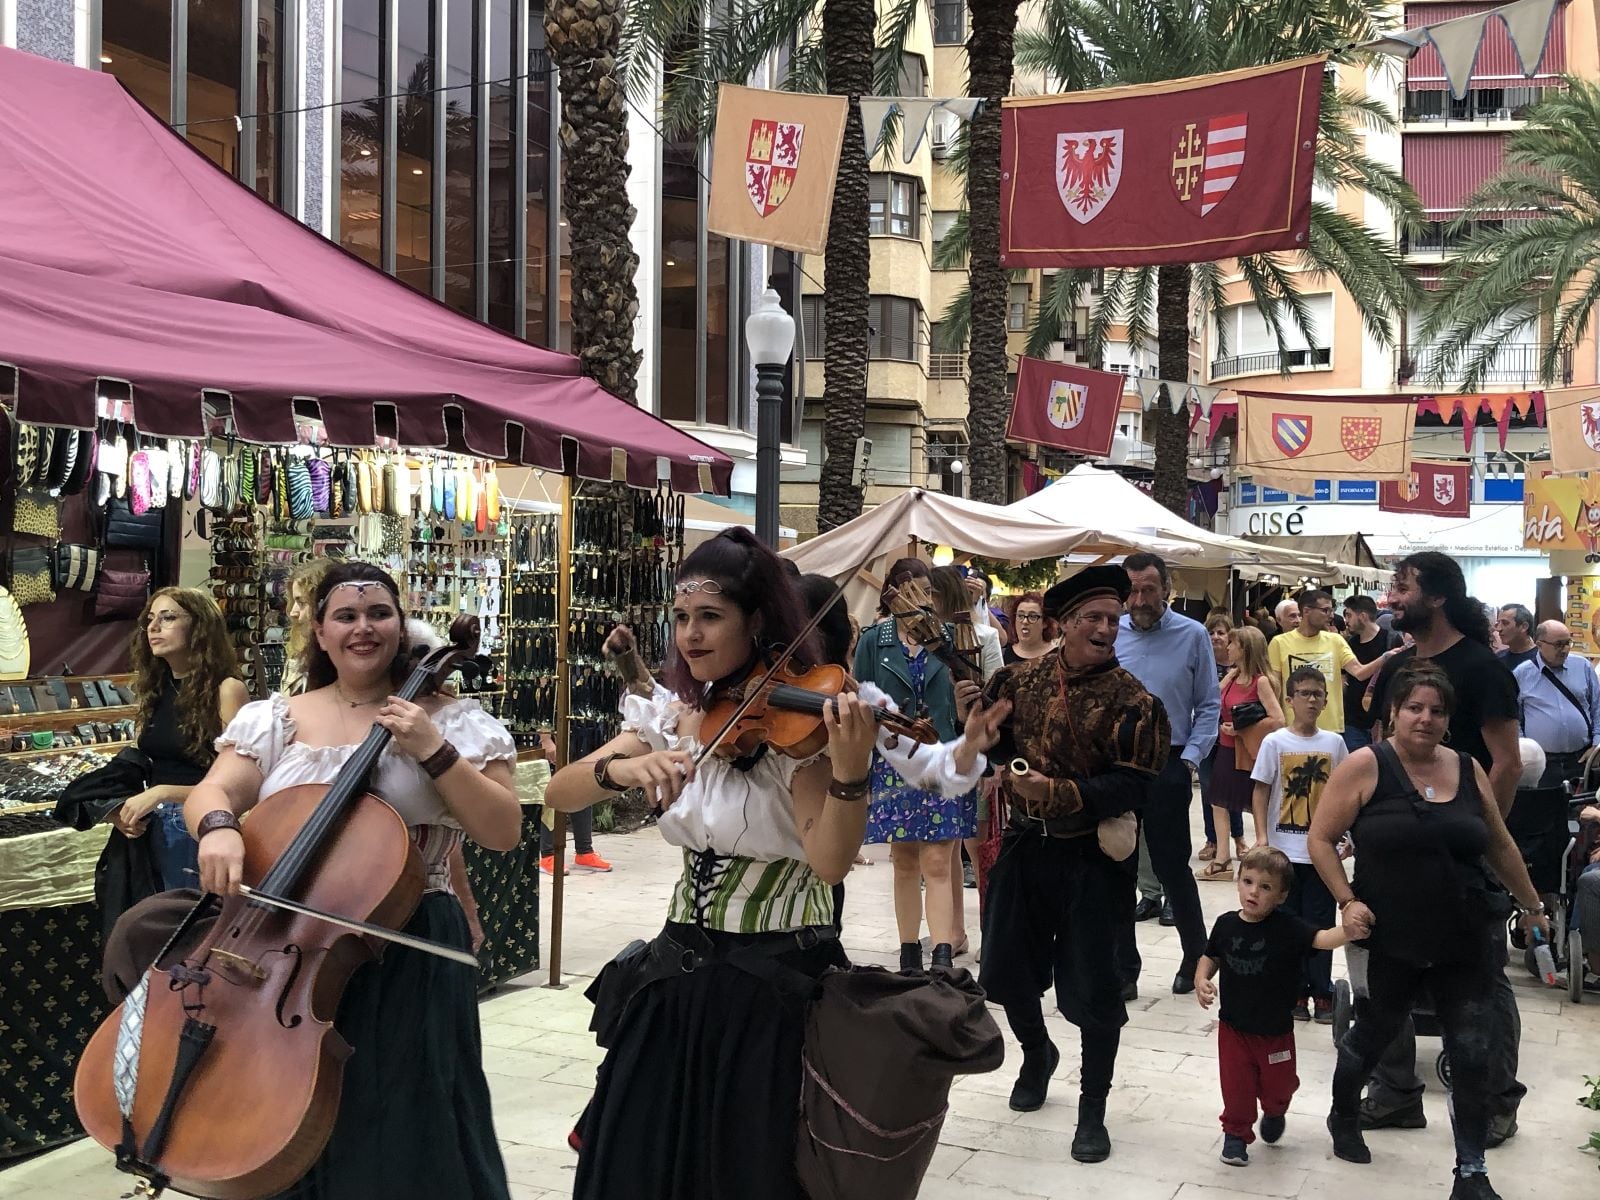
1422	905
187	686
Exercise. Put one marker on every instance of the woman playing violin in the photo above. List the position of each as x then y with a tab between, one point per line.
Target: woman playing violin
703	1026
414	1117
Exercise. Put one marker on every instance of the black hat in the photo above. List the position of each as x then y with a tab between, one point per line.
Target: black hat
1091	583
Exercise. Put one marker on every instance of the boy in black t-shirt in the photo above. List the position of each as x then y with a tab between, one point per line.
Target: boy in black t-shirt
1258	950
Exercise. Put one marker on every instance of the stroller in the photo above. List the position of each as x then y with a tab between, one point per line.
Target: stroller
1555	846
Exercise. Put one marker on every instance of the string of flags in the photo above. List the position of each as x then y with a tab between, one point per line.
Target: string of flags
1178	394
915	113
1458	40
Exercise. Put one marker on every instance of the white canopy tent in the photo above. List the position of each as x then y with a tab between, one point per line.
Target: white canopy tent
865	546
1087	492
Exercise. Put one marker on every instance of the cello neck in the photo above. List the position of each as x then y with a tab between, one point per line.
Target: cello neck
286	873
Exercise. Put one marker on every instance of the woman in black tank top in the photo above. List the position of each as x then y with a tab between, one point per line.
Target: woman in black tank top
186	683
1424	821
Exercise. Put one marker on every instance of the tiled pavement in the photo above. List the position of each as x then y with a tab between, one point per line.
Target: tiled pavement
541	1058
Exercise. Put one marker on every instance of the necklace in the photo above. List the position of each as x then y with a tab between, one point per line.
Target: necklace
339	687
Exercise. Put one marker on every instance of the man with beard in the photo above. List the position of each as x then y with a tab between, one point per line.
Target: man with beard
1172	656
1450	629
1085	743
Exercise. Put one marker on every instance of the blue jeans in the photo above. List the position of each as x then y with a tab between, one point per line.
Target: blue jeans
176	854
1357	736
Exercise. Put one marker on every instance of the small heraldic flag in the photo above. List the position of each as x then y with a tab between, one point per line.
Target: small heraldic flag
1573	418
1289	441
1439	489
773	166
1185	171
1065	407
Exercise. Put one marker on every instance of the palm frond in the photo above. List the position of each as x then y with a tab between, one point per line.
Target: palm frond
950	252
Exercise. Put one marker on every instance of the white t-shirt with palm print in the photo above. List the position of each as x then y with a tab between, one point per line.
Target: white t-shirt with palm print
1297	769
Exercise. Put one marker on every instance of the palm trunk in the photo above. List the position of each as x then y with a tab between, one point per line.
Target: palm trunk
583	37
848	30
989	58
1172	357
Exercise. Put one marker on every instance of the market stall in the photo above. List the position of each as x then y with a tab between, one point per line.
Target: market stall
271	397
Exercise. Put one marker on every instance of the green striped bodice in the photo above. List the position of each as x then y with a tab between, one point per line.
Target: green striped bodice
742	895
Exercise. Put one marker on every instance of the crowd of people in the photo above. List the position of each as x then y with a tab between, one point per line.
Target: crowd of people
1068	748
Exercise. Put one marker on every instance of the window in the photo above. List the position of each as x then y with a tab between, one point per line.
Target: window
361	130
1017	307
943	220
894	206
946	448
913	79
811	319
1252	347
898	329
949	22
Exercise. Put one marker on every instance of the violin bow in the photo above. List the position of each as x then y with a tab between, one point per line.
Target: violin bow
437	949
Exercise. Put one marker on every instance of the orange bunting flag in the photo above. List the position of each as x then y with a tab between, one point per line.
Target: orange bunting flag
1291	441
773	165
1573	418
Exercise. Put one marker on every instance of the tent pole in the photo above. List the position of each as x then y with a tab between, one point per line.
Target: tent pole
563	731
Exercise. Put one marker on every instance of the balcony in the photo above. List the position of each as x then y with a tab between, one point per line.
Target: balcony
1480	106
1438	238
947	365
1271	362
1515	363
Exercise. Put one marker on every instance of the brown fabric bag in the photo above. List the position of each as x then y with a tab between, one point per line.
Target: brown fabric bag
881	1049
121	593
1247	742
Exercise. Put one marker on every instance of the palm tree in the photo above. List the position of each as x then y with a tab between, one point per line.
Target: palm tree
583	38
989	54
1547	262
1094	43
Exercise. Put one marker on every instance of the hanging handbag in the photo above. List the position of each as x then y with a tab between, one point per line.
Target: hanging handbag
139	531
139	486
31	580
62	461
211	480
27	455
320	473
121	593
298	478
82	463
76	567
266	482
191	485
36	514
247	476
41	462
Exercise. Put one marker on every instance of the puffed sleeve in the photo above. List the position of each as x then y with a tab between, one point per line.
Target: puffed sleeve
931	768
649	716
477	736
260	731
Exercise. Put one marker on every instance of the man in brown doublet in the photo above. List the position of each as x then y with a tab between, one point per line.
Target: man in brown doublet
1093	740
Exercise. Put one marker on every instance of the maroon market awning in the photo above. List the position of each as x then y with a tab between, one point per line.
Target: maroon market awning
126	255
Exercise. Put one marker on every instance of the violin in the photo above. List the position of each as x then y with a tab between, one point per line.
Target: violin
236	1066
784	708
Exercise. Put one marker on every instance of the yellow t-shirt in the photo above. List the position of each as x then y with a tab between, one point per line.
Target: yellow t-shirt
1328	653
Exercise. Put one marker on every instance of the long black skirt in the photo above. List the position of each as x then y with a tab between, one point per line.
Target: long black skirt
698	1096
414	1120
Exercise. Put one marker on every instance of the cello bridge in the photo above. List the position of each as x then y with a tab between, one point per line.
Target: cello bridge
236	968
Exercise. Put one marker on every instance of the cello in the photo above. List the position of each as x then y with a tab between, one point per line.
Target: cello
220	1074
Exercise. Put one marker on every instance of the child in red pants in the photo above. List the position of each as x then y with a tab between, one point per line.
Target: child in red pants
1258	951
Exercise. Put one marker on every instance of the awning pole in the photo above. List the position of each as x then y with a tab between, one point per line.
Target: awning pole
563	732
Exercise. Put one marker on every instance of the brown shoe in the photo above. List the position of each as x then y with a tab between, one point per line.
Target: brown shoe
1215	872
1207	852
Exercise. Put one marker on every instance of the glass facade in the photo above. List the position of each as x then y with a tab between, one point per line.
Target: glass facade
214	69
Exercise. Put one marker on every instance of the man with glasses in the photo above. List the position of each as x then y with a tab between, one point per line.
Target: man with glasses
1559	703
1081	751
1315	645
1172	656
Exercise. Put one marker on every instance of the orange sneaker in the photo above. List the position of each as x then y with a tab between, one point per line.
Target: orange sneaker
547	864
590	862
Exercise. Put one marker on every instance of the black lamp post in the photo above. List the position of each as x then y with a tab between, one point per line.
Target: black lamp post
769	333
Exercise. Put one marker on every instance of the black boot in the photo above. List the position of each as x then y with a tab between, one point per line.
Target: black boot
1091	1143
1473	1187
1348	1143
911	956
944	956
1033	1081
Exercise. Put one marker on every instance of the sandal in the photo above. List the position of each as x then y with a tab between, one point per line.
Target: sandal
1216	871
1240	847
1207	852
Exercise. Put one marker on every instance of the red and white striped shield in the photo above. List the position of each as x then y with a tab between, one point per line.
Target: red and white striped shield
1206	160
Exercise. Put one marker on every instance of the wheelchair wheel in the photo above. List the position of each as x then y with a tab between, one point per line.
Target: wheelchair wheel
1343	1008
1441	1068
1576	965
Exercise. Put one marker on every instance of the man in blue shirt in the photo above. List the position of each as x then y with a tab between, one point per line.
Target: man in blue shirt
1171	655
1559	703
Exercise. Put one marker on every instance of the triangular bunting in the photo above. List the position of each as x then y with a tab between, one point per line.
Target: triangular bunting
914	115
965	107
1498	406
1457	42
1538	408
1528	22
1445	406
875	112
1148	390
1204	397
1523	402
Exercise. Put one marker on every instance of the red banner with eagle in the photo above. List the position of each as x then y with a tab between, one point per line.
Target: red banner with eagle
1439	489
773	164
1185	171
1065	407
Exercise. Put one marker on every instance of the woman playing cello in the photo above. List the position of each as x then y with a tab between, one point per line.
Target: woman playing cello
414	1118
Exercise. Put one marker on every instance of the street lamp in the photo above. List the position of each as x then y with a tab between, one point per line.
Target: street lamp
769	333
956	469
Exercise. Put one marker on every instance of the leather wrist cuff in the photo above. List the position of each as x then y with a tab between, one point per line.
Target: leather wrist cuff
217	818
851	792
441	760
602	769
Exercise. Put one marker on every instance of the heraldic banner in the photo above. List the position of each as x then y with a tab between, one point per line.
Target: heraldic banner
1187	171
1289	441
1065	407
773	165
1573	418
1439	489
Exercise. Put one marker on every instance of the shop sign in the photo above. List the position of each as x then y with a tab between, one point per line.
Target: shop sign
1561	513
1276	524
1358	491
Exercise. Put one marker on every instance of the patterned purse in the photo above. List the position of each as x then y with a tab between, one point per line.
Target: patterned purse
76	567
37	514
31	581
